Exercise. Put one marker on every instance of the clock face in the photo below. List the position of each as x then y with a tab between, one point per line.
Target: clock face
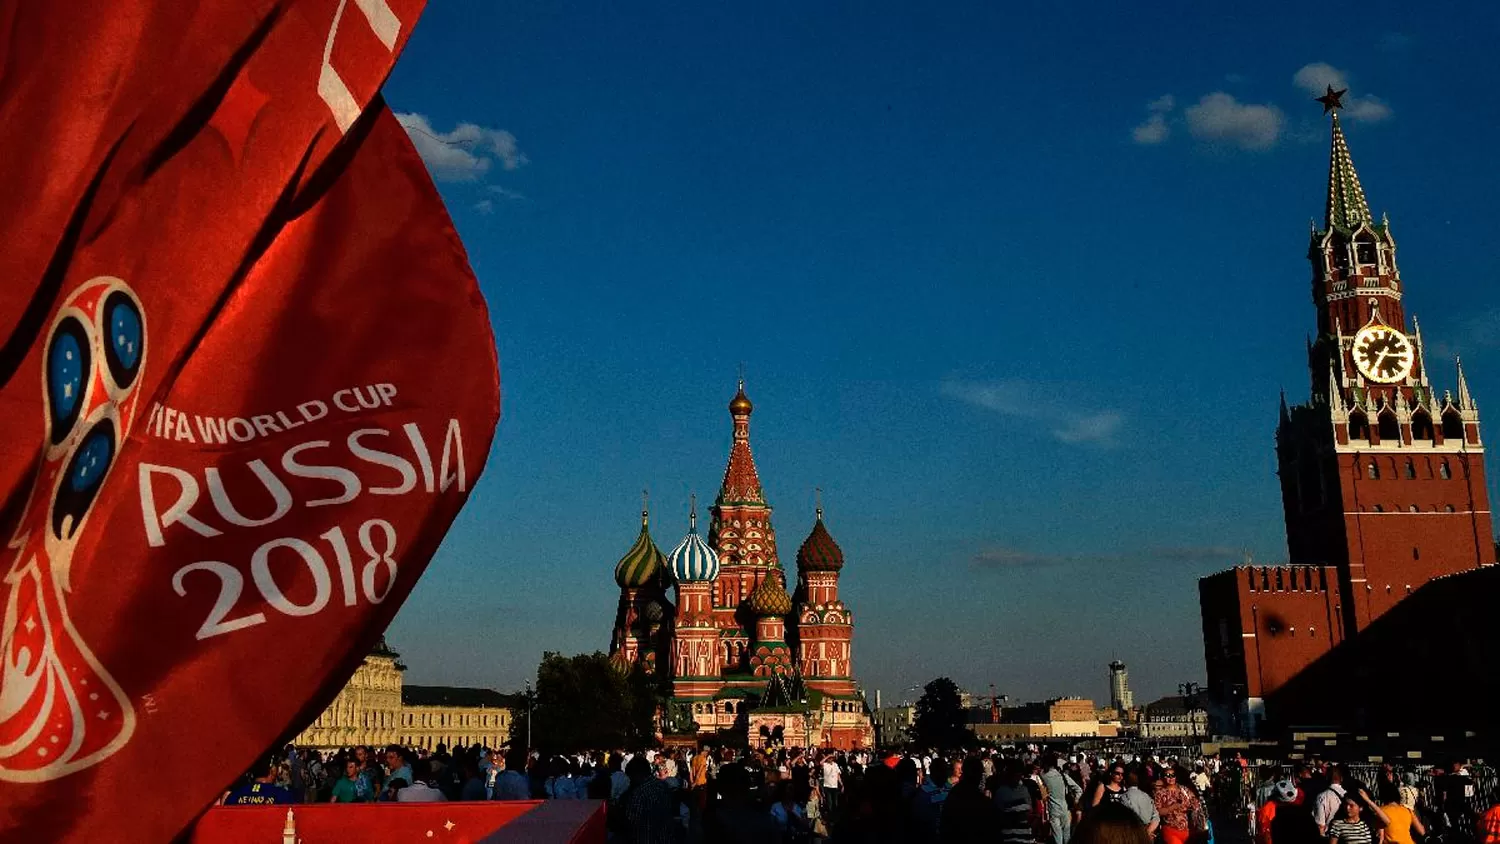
1383	354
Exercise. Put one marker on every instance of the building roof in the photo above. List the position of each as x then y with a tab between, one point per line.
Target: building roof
693	560
454	696
769	597
1169	705
1347	209
741	479
819	552
643	563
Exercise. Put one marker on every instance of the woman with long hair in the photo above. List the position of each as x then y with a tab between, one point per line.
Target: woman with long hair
1110	823
1179	807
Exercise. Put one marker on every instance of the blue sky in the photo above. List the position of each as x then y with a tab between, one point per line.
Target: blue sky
1016	289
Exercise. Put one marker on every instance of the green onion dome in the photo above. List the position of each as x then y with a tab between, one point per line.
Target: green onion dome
770	597
643	563
819	552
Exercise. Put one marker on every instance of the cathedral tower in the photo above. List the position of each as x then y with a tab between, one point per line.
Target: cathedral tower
643	619
825	627
741	532
696	657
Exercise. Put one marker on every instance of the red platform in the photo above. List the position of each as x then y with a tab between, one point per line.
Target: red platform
499	822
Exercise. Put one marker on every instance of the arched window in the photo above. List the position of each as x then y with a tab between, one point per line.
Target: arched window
1421	426
1453	426
1373	471
1412	509
1390	429
1359	428
1364	250
1443	471
1448	508
1378	508
1411	470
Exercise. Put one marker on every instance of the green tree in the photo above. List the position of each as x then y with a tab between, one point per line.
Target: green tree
940	721
583	703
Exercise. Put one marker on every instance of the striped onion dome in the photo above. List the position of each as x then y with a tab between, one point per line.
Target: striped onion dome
693	560
619	663
643	563
819	552
770	597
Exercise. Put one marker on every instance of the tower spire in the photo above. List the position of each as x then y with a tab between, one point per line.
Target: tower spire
1465	400
693	513
1347	208
645	508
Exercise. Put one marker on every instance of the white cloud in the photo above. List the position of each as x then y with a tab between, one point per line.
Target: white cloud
1220	118
506	193
484	206
1066	422
1315	79
465	154
1155	129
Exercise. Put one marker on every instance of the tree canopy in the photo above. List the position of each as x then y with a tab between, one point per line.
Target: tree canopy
940	721
582	703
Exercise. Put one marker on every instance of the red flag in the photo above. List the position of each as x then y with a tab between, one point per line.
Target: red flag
247	381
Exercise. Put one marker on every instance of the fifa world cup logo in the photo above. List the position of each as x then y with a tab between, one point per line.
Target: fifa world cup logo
60	711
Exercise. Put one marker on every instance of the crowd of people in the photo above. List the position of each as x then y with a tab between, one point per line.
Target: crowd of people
1009	796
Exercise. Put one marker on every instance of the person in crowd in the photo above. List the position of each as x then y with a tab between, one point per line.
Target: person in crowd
1180	808
1110	788
735	818
1403	822
346	789
791	820
1282	792
1014	812
1137	800
1062	794
1111	823
1456	793
831	785
397	766
647	809
1350	827
512	783
473	785
969	814
262	790
422	788
927	804
1327	805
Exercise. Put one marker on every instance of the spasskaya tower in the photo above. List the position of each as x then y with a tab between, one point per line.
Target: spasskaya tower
1382	473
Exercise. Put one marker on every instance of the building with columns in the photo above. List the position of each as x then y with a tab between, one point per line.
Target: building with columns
1382	471
738	654
378	709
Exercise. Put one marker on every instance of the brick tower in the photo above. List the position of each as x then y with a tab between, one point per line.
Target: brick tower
825	627
1382	475
741	532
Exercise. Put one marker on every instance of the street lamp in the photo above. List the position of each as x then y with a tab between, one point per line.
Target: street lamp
530	697
1190	692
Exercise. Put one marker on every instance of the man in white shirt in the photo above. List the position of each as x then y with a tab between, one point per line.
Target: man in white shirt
421	791
1329	802
833	780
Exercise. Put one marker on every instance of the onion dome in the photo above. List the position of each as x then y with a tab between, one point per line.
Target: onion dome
653	612
770	597
740	405
693	560
819	552
643	563
619	663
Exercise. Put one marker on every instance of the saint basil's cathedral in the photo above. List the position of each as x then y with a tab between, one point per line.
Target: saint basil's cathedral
737	654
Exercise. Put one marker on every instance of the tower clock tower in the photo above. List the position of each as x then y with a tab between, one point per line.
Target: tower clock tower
1382	471
1382	475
